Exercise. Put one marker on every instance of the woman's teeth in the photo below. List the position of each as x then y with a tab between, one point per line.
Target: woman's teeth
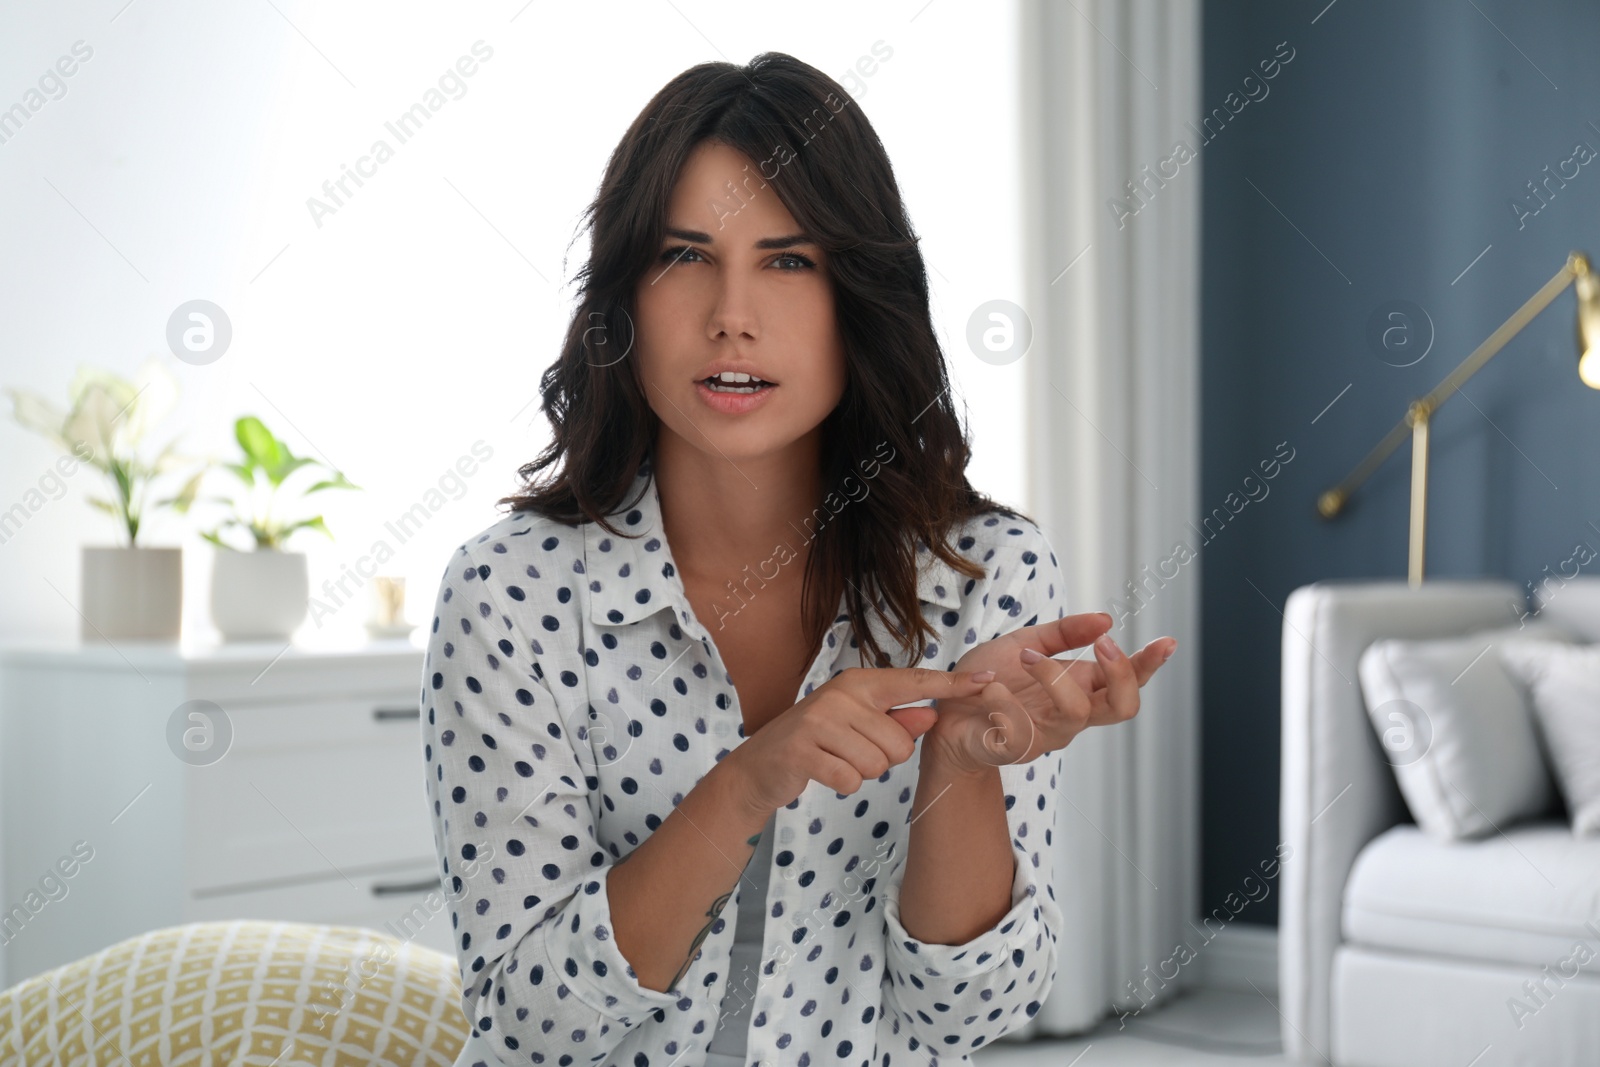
717	384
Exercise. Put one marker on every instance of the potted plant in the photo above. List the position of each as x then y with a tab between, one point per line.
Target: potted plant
132	590
263	592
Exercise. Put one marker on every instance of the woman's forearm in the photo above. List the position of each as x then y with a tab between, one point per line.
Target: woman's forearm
959	862
666	893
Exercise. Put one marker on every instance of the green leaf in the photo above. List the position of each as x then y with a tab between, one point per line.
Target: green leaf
185	497
104	505
124	480
211	536
314	523
243	471
338	481
288	466
260	447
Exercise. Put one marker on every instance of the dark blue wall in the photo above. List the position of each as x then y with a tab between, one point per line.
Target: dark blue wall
1396	140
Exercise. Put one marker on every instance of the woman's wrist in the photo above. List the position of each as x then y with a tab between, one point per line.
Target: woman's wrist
940	760
734	787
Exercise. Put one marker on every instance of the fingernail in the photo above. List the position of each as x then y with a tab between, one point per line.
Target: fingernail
983	677
1107	645
1030	655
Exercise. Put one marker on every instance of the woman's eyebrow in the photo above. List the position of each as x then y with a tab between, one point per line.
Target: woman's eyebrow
701	237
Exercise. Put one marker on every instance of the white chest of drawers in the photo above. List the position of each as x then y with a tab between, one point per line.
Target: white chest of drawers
117	816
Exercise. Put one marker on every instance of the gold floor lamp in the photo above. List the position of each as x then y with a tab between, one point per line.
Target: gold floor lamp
1577	273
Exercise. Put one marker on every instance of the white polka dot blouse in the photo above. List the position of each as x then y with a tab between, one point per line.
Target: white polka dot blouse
571	699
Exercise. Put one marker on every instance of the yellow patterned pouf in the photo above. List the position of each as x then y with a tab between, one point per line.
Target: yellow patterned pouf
241	993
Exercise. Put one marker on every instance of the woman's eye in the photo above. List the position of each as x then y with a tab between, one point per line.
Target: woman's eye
679	254
789	261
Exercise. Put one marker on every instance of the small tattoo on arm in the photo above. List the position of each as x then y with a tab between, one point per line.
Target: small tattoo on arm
694	946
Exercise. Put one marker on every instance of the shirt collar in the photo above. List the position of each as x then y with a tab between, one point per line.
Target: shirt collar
633	577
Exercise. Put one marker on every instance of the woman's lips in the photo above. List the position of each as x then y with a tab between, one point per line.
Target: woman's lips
729	403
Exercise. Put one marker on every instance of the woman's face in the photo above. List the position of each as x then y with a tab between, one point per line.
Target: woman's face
736	286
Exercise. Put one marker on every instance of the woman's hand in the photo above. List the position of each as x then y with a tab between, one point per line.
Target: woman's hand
845	732
1037	704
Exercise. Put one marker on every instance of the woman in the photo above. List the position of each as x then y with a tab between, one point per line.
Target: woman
686	648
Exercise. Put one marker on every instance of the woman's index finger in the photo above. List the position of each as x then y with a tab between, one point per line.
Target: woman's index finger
887	687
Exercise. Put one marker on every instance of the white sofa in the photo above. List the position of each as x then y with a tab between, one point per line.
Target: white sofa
1397	949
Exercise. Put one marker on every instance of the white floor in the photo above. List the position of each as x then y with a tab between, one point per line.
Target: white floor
1205	1027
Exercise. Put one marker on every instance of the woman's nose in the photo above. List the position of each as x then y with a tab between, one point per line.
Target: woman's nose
734	314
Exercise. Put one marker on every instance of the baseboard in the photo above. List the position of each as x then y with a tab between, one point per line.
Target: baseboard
1241	956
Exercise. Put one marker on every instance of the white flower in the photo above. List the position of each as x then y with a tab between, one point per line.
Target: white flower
96	407
157	392
38	414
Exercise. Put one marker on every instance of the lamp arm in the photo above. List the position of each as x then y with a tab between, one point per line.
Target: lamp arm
1332	501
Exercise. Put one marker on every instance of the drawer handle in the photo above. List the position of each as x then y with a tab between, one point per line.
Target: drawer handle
395	889
388	714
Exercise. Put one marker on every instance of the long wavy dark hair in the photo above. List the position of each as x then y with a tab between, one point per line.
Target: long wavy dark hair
833	175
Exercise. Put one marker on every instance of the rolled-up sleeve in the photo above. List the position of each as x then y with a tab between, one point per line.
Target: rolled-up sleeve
957	998
525	875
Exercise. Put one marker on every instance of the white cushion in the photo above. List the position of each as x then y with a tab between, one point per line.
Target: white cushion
1458	730
1564	682
1522	897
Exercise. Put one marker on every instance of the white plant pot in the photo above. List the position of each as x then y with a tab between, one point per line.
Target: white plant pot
131	593
258	596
